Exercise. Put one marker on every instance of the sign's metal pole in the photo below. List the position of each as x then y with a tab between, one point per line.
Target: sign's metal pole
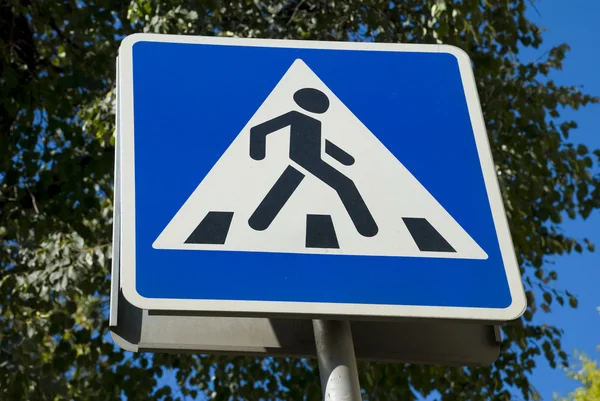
337	362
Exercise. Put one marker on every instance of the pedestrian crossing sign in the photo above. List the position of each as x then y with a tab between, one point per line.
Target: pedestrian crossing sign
267	177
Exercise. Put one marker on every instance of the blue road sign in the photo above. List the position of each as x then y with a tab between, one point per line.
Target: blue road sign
315	178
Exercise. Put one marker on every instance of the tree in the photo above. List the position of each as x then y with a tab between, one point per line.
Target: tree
588	375
56	125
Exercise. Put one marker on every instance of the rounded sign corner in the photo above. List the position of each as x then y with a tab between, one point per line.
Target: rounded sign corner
130	40
516	308
121	342
134	297
460	54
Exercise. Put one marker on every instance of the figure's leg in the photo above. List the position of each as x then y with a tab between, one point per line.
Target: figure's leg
350	197
273	202
357	209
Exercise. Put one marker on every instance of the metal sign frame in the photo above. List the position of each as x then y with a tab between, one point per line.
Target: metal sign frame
411	341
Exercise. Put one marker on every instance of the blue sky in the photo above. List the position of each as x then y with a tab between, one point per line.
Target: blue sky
574	22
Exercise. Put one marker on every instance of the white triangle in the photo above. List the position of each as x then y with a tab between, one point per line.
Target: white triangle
237	183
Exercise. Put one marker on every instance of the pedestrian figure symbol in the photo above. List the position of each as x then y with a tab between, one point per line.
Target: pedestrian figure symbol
305	150
302	162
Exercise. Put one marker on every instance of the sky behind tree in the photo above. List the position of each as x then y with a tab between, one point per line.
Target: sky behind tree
574	22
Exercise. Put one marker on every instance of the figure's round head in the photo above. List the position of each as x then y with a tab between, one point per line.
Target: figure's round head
312	100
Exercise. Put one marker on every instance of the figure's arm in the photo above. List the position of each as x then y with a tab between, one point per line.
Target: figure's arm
258	134
338	154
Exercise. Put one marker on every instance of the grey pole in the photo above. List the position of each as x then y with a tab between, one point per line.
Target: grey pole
337	362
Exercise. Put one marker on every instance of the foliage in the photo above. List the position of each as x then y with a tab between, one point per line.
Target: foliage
56	122
588	375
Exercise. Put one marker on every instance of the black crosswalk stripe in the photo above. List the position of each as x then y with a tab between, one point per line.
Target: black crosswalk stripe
213	229
427	238
320	232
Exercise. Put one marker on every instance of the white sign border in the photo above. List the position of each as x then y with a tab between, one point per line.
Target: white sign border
228	307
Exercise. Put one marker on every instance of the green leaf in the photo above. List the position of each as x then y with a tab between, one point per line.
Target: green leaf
573	302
